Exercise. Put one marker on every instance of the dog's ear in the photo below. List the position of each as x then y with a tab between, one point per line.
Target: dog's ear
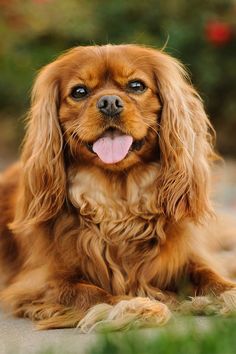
185	143
43	185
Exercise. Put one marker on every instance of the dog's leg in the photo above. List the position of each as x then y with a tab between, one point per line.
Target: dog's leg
63	304
207	281
89	307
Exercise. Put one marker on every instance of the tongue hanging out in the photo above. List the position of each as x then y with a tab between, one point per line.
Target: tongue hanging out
113	146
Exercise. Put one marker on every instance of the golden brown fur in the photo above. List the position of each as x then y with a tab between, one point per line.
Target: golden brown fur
76	232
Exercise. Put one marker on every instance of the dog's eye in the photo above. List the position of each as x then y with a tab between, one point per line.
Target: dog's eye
136	86
79	92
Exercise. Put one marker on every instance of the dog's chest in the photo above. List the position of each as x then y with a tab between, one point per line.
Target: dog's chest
119	231
120	211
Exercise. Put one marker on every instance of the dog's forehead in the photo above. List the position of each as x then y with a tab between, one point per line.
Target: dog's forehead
106	62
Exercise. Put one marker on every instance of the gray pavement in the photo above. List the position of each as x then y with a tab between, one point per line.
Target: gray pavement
18	336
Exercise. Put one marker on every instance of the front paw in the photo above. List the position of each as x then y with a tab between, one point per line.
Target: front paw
228	302
138	312
210	304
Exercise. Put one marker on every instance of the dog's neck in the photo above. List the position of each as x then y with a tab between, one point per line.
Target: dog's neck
106	189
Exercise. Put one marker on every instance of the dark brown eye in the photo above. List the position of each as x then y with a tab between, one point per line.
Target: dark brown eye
136	86
79	92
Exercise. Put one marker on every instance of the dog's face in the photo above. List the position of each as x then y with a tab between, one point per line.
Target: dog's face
109	106
114	108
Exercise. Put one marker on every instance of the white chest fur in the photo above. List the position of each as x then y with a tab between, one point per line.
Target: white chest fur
111	198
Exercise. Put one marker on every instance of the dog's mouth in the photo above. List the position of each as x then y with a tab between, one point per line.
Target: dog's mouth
113	146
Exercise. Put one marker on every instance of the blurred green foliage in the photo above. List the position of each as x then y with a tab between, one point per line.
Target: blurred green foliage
200	33
215	337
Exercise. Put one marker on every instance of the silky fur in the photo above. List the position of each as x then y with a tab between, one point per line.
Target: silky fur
82	242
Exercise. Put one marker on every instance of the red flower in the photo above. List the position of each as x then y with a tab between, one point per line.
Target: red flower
218	32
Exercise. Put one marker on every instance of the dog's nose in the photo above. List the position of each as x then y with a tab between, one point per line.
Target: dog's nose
110	105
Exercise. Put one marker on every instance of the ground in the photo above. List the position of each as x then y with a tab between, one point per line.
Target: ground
18	336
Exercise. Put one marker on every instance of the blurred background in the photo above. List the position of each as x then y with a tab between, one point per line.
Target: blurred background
202	34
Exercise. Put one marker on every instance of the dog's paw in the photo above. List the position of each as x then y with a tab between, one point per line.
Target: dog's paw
228	302
224	304
198	305
137	312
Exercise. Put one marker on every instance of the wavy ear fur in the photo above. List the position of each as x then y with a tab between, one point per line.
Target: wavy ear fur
185	143
42	189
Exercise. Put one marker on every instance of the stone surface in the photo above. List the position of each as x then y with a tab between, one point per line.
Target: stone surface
18	336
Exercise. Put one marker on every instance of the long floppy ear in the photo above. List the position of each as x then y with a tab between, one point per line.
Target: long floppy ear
42	188
185	142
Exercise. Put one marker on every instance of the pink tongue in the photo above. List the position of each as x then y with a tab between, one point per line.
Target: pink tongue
112	148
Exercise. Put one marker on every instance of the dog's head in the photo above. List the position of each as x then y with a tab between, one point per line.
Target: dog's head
116	107
109	106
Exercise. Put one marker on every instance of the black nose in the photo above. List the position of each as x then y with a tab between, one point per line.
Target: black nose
110	105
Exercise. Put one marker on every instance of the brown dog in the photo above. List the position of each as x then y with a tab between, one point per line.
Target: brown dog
101	219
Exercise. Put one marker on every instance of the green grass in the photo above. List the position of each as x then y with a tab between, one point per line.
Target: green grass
217	337
212	336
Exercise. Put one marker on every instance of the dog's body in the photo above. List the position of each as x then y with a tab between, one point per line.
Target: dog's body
110	198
